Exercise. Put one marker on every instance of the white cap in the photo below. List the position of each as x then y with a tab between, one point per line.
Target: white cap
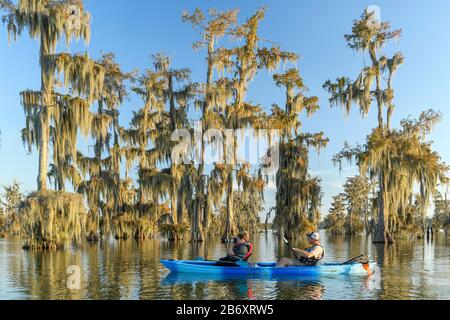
314	235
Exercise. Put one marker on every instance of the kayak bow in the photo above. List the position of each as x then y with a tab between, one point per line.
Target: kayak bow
266	268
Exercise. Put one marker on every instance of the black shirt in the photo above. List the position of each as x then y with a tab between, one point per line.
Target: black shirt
240	250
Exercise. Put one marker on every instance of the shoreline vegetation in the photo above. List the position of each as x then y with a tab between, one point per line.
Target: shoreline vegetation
400	174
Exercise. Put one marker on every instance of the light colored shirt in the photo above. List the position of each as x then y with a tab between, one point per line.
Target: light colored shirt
317	251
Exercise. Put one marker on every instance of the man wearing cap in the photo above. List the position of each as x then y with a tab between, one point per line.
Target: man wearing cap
308	257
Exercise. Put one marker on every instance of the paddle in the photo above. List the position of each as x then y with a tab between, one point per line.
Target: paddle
290	247
353	260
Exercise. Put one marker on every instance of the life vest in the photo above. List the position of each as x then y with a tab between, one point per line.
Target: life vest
250	251
237	251
312	262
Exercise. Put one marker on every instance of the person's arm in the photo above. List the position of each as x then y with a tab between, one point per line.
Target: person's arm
303	253
316	253
231	252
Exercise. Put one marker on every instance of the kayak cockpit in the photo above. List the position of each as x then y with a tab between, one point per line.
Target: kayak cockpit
205	263
266	264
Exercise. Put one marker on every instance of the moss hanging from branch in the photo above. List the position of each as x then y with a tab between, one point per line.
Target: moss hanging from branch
10	202
48	20
299	196
402	160
52	220
373	86
83	75
351	211
102	181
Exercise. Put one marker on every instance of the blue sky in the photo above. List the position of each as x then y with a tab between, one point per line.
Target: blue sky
135	29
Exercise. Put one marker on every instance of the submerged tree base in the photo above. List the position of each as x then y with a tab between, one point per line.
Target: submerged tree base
128	226
93	237
52	219
123	226
174	232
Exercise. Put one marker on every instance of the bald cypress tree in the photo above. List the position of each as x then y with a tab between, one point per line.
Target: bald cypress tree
441	218
212	27
369	37
139	139
334	222
166	93
299	196
179	92
390	157
242	62
54	218
101	178
236	113
228	108
357	195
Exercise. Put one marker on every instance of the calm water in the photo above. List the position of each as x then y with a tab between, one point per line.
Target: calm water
130	270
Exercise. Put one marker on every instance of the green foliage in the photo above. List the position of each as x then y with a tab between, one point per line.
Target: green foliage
9	205
401	160
369	37
441	219
335	221
52	219
299	196
357	196
396	160
351	211
101	181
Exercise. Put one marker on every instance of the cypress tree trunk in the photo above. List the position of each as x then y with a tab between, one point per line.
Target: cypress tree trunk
206	214
200	200
180	205
196	231
43	150
174	211
46	98
116	167
229	227
382	234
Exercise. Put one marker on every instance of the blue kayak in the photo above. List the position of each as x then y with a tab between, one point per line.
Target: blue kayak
266	268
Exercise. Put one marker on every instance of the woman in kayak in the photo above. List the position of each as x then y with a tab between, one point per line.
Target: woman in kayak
308	257
241	250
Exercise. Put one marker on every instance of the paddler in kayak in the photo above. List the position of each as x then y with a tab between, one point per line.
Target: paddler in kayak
241	250
309	257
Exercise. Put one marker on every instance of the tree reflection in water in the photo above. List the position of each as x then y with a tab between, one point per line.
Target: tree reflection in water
113	269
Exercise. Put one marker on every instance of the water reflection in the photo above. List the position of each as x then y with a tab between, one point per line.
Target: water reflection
252	287
131	270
